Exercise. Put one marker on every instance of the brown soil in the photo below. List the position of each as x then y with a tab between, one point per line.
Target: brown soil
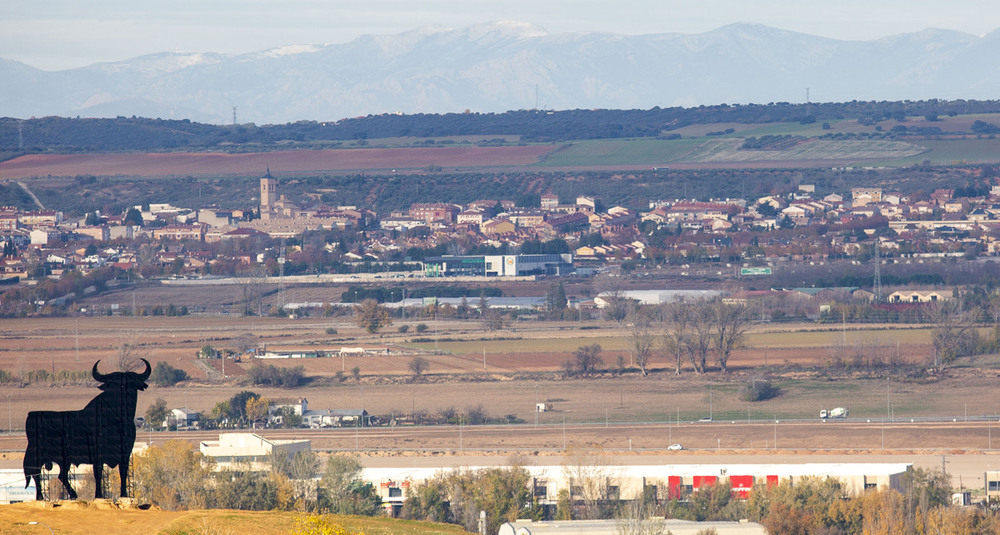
209	163
630	414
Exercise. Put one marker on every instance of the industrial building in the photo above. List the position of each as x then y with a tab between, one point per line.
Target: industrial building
498	265
664	482
12	489
611	527
248	449
655	297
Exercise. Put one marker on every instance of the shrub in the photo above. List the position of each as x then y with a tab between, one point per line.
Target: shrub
422	327
404	328
275	376
331	330
166	375
758	390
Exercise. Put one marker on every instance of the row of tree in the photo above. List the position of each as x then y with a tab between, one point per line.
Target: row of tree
174	476
688	331
138	133
810	505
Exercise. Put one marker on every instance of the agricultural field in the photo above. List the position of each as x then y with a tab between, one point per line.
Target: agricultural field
508	371
897	408
695	149
250	164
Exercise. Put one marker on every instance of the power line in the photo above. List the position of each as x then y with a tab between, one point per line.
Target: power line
877	286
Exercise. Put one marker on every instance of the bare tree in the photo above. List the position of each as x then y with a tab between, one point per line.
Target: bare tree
129	353
730	326
994	307
641	339
588	359
245	342
953	335
677	331
592	482
493	320
418	365
251	283
611	289
699	343
637	517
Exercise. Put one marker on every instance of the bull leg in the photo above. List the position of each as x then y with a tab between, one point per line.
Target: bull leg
64	479
98	476
38	485
123	475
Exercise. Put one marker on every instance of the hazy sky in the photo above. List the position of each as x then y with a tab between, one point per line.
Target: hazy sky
60	34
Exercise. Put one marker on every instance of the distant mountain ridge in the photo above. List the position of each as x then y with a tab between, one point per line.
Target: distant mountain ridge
507	66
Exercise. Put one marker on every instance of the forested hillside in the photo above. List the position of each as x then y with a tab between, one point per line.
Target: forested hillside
141	134
382	193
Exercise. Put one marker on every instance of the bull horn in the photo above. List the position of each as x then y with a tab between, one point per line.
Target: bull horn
145	375
98	376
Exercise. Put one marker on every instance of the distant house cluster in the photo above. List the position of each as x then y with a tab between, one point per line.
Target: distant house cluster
553	238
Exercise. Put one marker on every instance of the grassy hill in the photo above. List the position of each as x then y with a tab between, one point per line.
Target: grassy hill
97	518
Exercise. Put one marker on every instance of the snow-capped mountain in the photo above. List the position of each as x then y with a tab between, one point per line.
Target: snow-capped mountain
504	66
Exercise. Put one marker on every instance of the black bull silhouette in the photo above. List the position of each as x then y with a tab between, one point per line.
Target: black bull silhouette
102	433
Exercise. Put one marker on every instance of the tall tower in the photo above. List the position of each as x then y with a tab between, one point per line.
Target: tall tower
268	194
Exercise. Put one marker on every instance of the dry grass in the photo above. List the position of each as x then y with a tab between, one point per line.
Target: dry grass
103	518
518	374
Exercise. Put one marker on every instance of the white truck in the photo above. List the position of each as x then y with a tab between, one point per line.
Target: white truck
839	412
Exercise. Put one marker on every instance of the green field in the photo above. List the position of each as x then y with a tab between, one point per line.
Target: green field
697	147
725	150
651	152
960	151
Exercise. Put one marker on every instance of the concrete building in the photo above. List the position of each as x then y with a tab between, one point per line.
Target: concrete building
917	296
611	527
498	265
184	418
863	196
657	297
12	488
434	212
992	479
336	418
238	449
215	217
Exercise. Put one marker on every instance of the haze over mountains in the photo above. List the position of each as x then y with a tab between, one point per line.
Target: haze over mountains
506	66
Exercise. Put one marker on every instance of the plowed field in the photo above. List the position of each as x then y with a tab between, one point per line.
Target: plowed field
290	162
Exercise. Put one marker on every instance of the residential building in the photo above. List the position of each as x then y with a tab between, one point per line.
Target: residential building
917	296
